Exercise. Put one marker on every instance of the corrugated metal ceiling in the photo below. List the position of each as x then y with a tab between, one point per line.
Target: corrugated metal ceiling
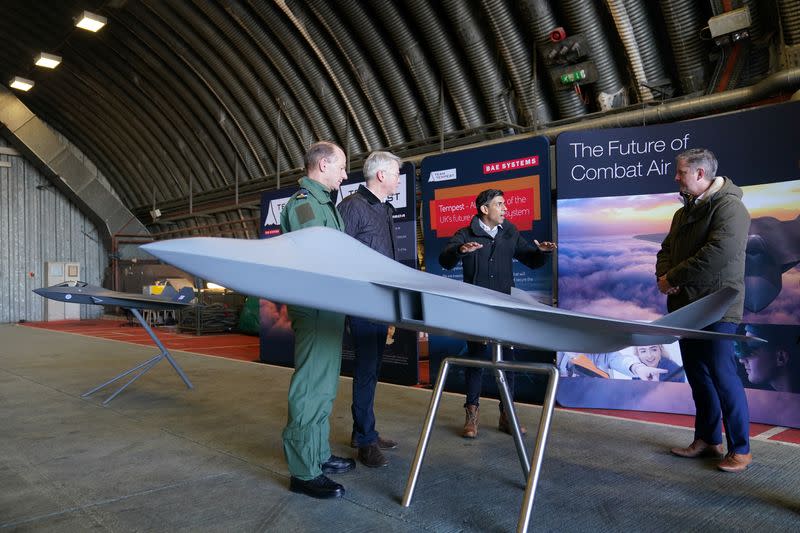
181	98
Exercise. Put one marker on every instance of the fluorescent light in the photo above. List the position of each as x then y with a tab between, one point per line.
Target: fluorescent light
20	83
48	60
214	286
90	21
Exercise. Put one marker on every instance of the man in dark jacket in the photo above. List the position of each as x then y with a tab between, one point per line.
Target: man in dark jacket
368	217
486	248
703	252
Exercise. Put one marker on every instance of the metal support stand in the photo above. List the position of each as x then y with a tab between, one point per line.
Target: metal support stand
499	367
140	369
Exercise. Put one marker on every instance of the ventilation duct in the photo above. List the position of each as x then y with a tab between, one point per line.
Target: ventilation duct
73	178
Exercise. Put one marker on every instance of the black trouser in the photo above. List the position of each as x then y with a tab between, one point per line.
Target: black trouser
474	376
369	341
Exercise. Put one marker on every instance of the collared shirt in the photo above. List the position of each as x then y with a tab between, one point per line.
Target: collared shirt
492	232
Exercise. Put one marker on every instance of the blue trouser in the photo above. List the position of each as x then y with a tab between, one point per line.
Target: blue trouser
473	377
317	360
369	341
718	392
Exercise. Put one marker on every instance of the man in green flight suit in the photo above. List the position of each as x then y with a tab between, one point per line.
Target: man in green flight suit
318	340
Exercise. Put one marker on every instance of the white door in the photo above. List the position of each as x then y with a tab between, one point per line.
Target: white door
59	272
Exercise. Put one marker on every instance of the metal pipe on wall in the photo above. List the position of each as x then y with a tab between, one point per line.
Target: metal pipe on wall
541	21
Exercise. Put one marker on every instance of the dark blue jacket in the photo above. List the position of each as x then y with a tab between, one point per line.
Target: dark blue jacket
369	219
491	266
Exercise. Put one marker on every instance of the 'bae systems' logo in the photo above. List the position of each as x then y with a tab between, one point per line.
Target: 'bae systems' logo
511	164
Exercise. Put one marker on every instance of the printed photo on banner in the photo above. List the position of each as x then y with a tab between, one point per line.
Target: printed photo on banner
616	195
608	268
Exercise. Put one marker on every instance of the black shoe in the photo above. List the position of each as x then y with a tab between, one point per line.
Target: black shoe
337	465
320	487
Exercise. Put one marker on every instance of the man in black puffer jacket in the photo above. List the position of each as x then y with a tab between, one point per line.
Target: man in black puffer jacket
486	248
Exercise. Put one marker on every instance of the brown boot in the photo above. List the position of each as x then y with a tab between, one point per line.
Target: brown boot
735	462
372	456
699	448
504	424
471	423
383	444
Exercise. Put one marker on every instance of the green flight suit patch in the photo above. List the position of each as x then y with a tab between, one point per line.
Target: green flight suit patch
305	213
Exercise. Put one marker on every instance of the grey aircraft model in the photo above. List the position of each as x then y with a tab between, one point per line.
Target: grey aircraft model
327	269
79	292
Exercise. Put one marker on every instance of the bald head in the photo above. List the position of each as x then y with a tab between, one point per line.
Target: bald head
326	164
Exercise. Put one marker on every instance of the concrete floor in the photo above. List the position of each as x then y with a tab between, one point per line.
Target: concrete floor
164	458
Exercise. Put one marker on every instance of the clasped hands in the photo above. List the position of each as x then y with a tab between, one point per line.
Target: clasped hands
665	287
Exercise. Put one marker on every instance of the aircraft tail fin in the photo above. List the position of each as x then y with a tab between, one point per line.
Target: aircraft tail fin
185	295
168	292
700	313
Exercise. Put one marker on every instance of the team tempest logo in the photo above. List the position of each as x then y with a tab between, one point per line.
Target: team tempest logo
442	175
511	164
274	211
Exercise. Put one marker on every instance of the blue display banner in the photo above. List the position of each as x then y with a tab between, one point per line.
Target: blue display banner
611	224
452	181
450	184
400	360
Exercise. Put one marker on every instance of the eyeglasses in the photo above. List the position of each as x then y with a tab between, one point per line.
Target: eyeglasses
743	350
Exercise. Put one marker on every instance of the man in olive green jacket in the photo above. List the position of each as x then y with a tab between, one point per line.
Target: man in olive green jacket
704	252
318	340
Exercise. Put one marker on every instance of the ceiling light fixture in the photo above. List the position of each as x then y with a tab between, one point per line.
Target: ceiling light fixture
90	21
47	60
21	83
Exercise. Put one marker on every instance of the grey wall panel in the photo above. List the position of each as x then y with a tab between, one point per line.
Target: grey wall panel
38	224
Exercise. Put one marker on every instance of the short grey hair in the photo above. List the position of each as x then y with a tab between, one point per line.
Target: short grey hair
700	158
319	151
378	161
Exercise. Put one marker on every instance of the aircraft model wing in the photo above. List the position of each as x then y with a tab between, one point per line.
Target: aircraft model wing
327	269
83	293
